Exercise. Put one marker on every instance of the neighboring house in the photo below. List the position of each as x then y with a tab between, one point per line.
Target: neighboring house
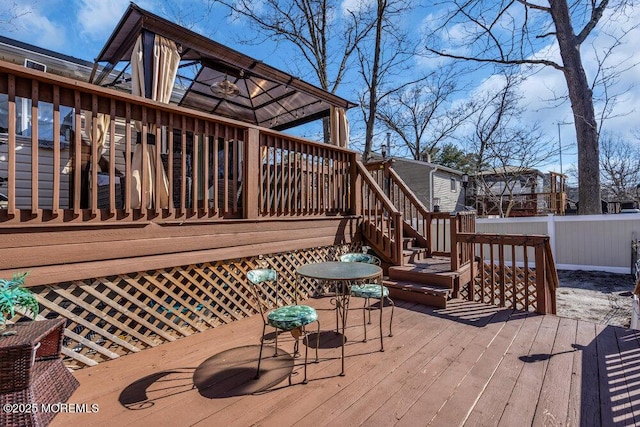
438	187
517	191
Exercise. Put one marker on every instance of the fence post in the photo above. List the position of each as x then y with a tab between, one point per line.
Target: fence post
551	232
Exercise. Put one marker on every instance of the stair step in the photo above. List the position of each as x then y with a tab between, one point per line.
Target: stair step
425	276
418	292
417	287
414	254
408	242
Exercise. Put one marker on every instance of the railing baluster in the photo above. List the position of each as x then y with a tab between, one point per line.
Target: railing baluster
11	149
55	202
144	184
128	128
170	168
94	155
526	276
205	172
112	157
77	153
183	167
216	170
34	147
195	167
514	275
159	188
502	273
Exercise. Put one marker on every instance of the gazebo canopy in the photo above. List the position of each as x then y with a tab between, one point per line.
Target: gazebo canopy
266	96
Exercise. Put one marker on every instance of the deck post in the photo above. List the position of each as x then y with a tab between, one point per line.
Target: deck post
397	224
355	196
541	288
455	250
251	178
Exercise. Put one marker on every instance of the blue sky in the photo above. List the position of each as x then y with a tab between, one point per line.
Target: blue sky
80	28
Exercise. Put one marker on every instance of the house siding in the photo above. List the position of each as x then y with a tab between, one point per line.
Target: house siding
417	175
45	174
449	199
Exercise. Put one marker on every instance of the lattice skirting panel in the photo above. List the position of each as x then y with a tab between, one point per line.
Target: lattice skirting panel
112	316
518	290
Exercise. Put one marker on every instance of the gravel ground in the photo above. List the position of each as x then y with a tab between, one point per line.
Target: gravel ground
599	297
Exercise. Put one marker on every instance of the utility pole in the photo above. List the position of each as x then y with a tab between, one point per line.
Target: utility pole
560	142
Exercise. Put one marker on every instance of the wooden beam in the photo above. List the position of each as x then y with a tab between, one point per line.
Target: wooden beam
86	270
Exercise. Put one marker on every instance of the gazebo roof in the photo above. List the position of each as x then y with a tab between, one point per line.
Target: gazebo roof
267	96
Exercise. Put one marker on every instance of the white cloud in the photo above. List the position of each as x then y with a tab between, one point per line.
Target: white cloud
97	18
33	27
355	6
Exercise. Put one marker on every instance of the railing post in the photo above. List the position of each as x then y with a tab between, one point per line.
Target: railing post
251	173
428	233
397	223
541	288
355	191
455	250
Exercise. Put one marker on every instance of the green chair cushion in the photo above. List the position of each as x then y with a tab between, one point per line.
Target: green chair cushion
260	275
357	257
292	317
369	290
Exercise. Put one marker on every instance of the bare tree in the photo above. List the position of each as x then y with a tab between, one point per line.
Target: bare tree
386	54
423	113
508	153
511	33
620	167
325	37
10	14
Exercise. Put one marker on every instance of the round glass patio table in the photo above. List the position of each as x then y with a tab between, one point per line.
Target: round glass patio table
342	274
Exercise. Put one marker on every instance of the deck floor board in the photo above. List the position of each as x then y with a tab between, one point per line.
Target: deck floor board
469	364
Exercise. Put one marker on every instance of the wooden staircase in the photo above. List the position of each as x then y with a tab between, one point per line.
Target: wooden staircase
420	269
421	278
430	257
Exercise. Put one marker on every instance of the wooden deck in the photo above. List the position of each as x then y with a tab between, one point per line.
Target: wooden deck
468	364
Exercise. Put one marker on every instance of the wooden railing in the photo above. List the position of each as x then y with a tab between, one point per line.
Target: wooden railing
513	271
522	204
195	166
382	222
417	218
302	178
461	252
432	230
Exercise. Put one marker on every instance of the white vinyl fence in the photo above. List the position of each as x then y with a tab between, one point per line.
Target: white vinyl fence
584	242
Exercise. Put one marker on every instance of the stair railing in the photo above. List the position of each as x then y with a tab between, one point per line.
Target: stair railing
514	271
416	216
382	225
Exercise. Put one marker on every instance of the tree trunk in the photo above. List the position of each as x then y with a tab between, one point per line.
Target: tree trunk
373	90
581	98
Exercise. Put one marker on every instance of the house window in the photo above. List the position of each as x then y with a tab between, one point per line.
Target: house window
453	184
45	120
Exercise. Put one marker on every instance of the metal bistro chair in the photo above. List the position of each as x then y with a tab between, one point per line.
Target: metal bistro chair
293	318
369	291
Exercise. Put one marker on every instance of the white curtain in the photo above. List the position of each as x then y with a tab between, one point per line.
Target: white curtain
339	127
165	66
102	124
